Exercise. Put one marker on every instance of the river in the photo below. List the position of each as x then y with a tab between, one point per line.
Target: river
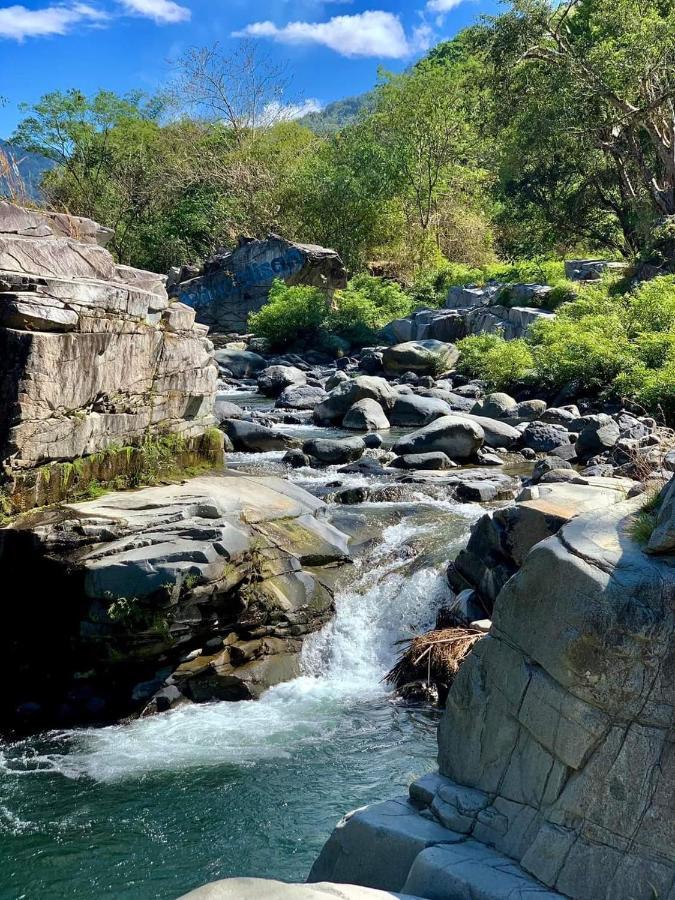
153	808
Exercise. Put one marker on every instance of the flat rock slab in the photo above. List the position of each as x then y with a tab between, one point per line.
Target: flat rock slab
261	889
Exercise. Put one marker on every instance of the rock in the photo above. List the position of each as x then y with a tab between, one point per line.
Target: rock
336	379
596	433
241	363
662	539
421	357
495	406
529	410
413	411
365	415
481	491
485	458
547	465
92	356
591	269
499	543
274	379
372	441
436	460
458	438
560	415
455	401
303	397
370	362
528	453
233	284
496	433
543	437
250	437
296	459
259	889
346	394
334	451
136	566
669	461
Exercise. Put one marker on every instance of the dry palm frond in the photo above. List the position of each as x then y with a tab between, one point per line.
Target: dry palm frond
435	656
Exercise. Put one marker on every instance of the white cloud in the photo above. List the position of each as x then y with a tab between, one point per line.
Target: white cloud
160	11
18	22
370	33
442	6
286	112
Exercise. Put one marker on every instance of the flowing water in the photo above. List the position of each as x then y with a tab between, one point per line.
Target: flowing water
156	807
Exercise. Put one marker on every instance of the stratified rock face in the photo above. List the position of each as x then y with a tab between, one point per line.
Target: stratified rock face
235	284
145	599
561	721
556	759
92	354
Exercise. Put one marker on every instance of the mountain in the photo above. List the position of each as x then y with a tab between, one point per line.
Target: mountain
21	172
336	115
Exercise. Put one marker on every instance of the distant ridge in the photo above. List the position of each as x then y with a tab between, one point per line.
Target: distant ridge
28	169
336	115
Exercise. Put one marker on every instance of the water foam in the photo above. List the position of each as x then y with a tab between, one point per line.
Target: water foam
343	666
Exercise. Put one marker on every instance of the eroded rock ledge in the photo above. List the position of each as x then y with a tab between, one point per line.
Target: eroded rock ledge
145	599
556	762
93	357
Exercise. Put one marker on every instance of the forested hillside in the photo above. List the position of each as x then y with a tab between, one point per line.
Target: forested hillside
545	132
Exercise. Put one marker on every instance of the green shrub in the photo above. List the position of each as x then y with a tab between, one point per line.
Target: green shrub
652	388
526	271
591	350
502	364
431	287
292	315
304	317
651	307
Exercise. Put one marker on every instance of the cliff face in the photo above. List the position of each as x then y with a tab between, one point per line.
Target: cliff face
93	355
556	762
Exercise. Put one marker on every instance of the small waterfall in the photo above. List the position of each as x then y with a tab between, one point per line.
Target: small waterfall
343	666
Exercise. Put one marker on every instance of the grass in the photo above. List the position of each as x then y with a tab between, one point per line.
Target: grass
644	521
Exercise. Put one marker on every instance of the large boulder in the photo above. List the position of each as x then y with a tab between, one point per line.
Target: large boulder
275	379
334	451
662	539
496	432
241	363
233	284
543	437
260	889
250	437
304	396
177	593
458	438
347	393
597	433
422	357
93	356
365	415
413	411
496	406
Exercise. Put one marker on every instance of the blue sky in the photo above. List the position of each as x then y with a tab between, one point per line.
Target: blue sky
332	47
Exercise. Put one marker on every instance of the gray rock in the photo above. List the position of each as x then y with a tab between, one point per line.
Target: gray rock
662	539
336	379
496	433
242	363
421	357
549	464
365	415
458	438
411	410
333	451
529	410
560	415
436	460
346	394
303	397
372	441
274	379
225	409
596	434
543	437
495	406
260	889
234	284
253	438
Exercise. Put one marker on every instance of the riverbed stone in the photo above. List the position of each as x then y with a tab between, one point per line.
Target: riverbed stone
543	437
261	889
596	434
250	437
421	357
412	411
457	437
241	363
365	415
334	451
347	393
435	460
304	396
495	406
274	379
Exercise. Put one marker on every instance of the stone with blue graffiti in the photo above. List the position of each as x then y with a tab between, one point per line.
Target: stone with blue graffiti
232	284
